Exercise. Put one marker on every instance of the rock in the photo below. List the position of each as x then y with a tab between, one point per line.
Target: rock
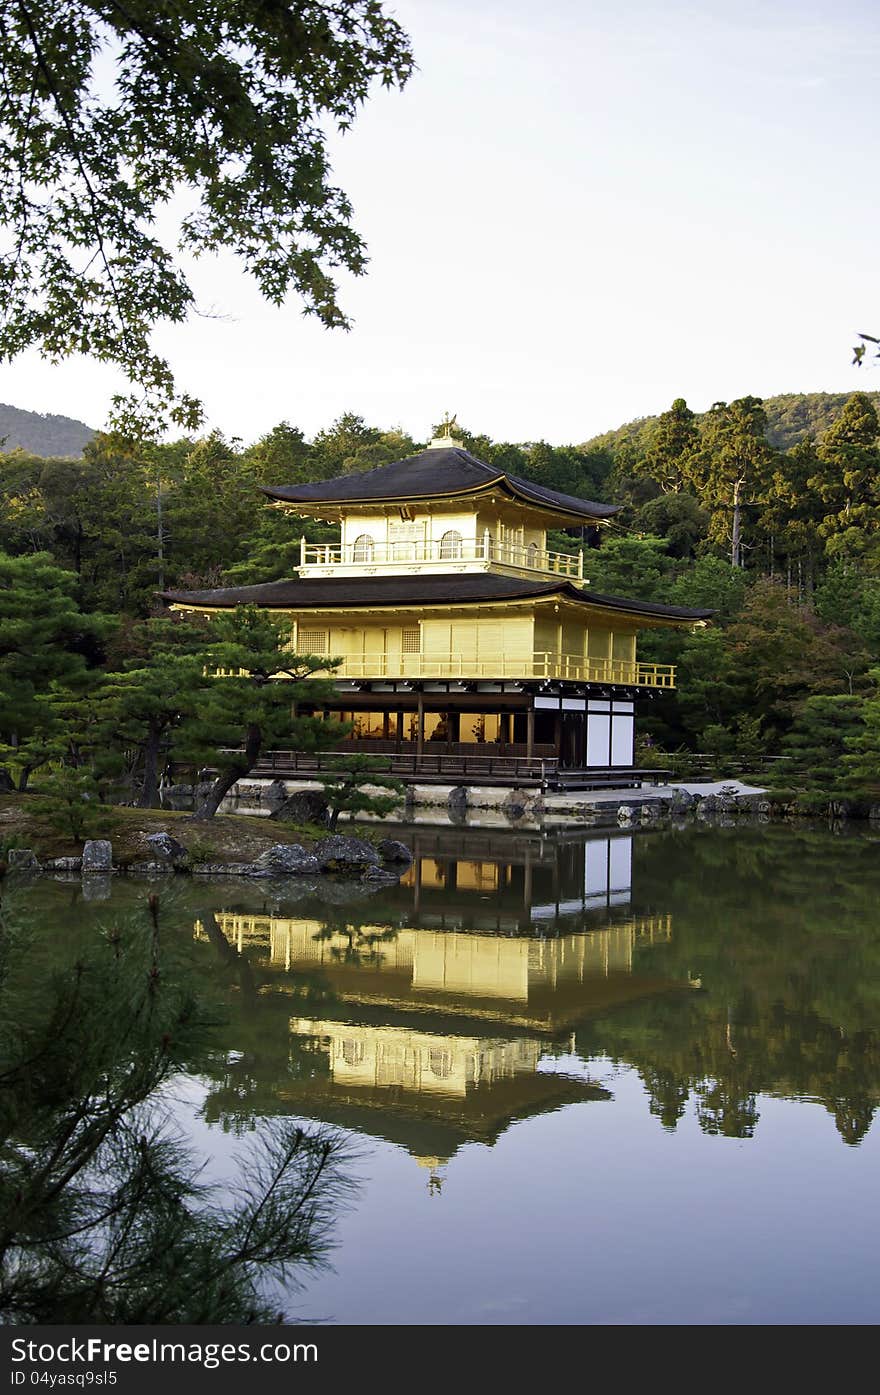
97	856
150	869
288	860
381	876
23	860
304	806
681	800
874	811
342	853
273	795
228	869
457	801
391	851
164	847
625	815
63	864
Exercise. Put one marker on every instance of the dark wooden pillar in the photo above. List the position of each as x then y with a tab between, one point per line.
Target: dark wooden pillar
530	732
420	728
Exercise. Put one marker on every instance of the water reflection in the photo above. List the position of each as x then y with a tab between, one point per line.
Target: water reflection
432	1013
435	1037
690	1021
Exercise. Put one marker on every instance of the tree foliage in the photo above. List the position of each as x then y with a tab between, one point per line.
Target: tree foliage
117	121
103	1215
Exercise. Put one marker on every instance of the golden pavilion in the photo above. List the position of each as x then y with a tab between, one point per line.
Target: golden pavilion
465	646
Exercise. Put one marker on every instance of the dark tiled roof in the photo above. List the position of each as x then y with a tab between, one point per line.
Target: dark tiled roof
443	471
321	593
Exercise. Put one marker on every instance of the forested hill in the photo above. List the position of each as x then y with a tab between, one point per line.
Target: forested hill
790	417
42	433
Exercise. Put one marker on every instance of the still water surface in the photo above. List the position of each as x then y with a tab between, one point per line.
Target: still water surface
626	1079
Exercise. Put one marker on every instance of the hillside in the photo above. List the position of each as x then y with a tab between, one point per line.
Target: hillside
42	433
790	417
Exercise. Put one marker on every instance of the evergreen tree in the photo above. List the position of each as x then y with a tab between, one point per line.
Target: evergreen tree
731	468
355	784
103	1218
848	482
251	702
820	737
144	704
45	646
673	440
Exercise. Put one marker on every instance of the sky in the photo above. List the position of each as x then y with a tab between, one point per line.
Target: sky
576	211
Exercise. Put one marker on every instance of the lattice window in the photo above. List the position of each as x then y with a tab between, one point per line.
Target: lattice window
410	642
363	548
313	642
450	544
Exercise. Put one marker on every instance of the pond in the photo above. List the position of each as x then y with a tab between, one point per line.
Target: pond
591	1079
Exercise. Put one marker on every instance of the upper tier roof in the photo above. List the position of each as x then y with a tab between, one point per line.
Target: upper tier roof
381	592
440	472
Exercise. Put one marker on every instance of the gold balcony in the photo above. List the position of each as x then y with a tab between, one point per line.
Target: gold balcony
541	665
387	558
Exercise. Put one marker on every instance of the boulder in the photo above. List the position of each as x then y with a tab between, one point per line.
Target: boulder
626	815
342	853
97	857
304	806
514	806
381	876
457	801
63	864
23	860
287	860
164	847
150	869
273	795
681	800
391	851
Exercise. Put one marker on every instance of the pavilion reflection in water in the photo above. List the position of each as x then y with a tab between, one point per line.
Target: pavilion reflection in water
433	1037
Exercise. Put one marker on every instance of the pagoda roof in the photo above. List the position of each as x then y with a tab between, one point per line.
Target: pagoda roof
439	472
379	592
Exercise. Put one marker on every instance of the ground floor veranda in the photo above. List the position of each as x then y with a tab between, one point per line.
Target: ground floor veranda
499	732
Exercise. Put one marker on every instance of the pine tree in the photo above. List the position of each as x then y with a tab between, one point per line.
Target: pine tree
257	683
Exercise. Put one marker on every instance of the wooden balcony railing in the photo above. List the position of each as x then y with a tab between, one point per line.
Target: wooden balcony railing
406	554
540	665
574	667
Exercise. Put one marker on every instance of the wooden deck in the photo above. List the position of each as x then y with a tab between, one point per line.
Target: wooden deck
542	772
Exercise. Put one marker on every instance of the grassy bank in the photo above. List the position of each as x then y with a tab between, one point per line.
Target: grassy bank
225	838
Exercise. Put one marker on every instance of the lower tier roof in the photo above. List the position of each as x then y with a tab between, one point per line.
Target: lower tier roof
381	592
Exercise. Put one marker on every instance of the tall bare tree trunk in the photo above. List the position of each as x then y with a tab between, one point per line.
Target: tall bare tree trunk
736	532
149	795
